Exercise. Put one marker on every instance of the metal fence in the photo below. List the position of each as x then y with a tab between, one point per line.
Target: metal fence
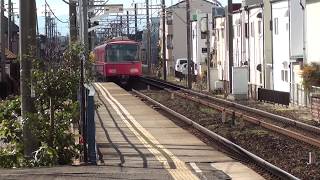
273	96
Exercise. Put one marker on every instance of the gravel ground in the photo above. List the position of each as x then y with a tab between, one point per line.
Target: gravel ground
279	150
298	113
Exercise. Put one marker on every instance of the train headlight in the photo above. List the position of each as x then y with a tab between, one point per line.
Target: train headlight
112	71
134	70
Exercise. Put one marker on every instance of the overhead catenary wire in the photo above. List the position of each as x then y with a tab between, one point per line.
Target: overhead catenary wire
54	14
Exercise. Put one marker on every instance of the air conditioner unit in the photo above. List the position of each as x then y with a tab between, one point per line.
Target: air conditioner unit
219	85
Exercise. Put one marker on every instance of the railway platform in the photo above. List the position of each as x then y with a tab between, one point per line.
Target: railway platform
134	141
131	134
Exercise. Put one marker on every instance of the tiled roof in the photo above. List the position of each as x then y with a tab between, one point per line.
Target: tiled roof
10	55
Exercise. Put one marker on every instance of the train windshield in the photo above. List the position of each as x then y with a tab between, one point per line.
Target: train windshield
122	52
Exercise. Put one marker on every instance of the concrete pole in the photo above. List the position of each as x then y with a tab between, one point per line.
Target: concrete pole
230	43
2	43
208	54
164	53
27	41
84	41
148	38
9	25
189	78
72	21
46	19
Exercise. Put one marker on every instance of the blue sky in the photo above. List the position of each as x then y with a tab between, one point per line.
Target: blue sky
62	11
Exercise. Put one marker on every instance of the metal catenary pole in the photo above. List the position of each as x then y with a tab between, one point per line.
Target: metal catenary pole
164	54
148	38
27	41
136	21
230	43
9	25
2	43
208	53
189	78
128	24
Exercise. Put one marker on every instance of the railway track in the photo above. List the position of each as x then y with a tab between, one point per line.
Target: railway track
282	125
235	150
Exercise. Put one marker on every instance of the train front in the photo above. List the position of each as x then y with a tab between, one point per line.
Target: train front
122	60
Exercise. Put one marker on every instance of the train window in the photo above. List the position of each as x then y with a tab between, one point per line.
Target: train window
122	52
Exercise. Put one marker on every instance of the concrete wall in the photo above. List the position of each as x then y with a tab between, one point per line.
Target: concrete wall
281	59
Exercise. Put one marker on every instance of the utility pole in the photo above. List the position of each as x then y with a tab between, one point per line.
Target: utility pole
46	19
230	43
27	41
189	44
136	21
148	38
164	53
9	25
84	31
72	21
2	43
208	53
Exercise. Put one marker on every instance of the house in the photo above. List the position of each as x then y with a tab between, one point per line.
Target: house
176	29
220	47
11	67
220	41
253	28
280	46
312	14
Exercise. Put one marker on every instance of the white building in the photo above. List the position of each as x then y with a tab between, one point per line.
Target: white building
220	47
199	39
177	29
280	44
312	14
255	43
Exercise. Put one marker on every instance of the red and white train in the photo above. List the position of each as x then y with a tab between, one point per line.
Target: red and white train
118	60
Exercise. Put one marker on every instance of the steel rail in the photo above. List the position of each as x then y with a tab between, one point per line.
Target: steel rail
230	145
253	120
265	114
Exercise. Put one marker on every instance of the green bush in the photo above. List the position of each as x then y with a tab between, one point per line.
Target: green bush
56	108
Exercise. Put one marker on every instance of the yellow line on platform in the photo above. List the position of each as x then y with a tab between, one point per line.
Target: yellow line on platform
181	171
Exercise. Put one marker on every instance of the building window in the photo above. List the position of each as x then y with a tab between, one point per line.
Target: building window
259	27
203	35
238	30
246	32
204	50
284	75
252	29
217	35
169	19
276	29
222	33
169	41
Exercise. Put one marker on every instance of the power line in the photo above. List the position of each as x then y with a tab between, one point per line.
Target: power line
54	14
